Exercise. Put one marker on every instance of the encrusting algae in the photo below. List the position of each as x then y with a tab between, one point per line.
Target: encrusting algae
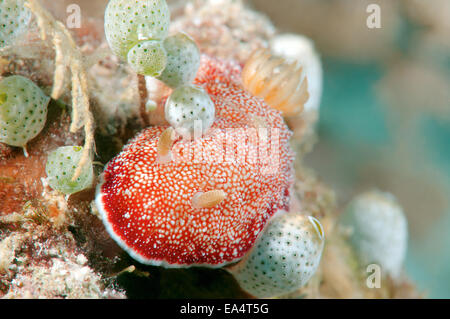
178	194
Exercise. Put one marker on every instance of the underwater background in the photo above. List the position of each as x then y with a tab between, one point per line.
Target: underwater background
385	113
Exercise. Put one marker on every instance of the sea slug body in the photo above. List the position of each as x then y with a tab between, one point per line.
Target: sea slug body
201	208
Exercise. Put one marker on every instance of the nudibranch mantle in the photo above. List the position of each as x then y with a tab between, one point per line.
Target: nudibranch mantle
146	204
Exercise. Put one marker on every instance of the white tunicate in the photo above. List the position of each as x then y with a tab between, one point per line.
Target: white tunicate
183	60
379	231
284	258
188	108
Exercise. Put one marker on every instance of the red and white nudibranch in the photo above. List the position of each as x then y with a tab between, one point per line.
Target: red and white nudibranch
182	211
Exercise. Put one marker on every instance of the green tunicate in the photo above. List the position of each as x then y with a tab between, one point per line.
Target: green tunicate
14	20
148	58
60	169
127	22
23	110
284	258
183	60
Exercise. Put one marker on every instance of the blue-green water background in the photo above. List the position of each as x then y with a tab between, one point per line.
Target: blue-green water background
357	128
353	119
